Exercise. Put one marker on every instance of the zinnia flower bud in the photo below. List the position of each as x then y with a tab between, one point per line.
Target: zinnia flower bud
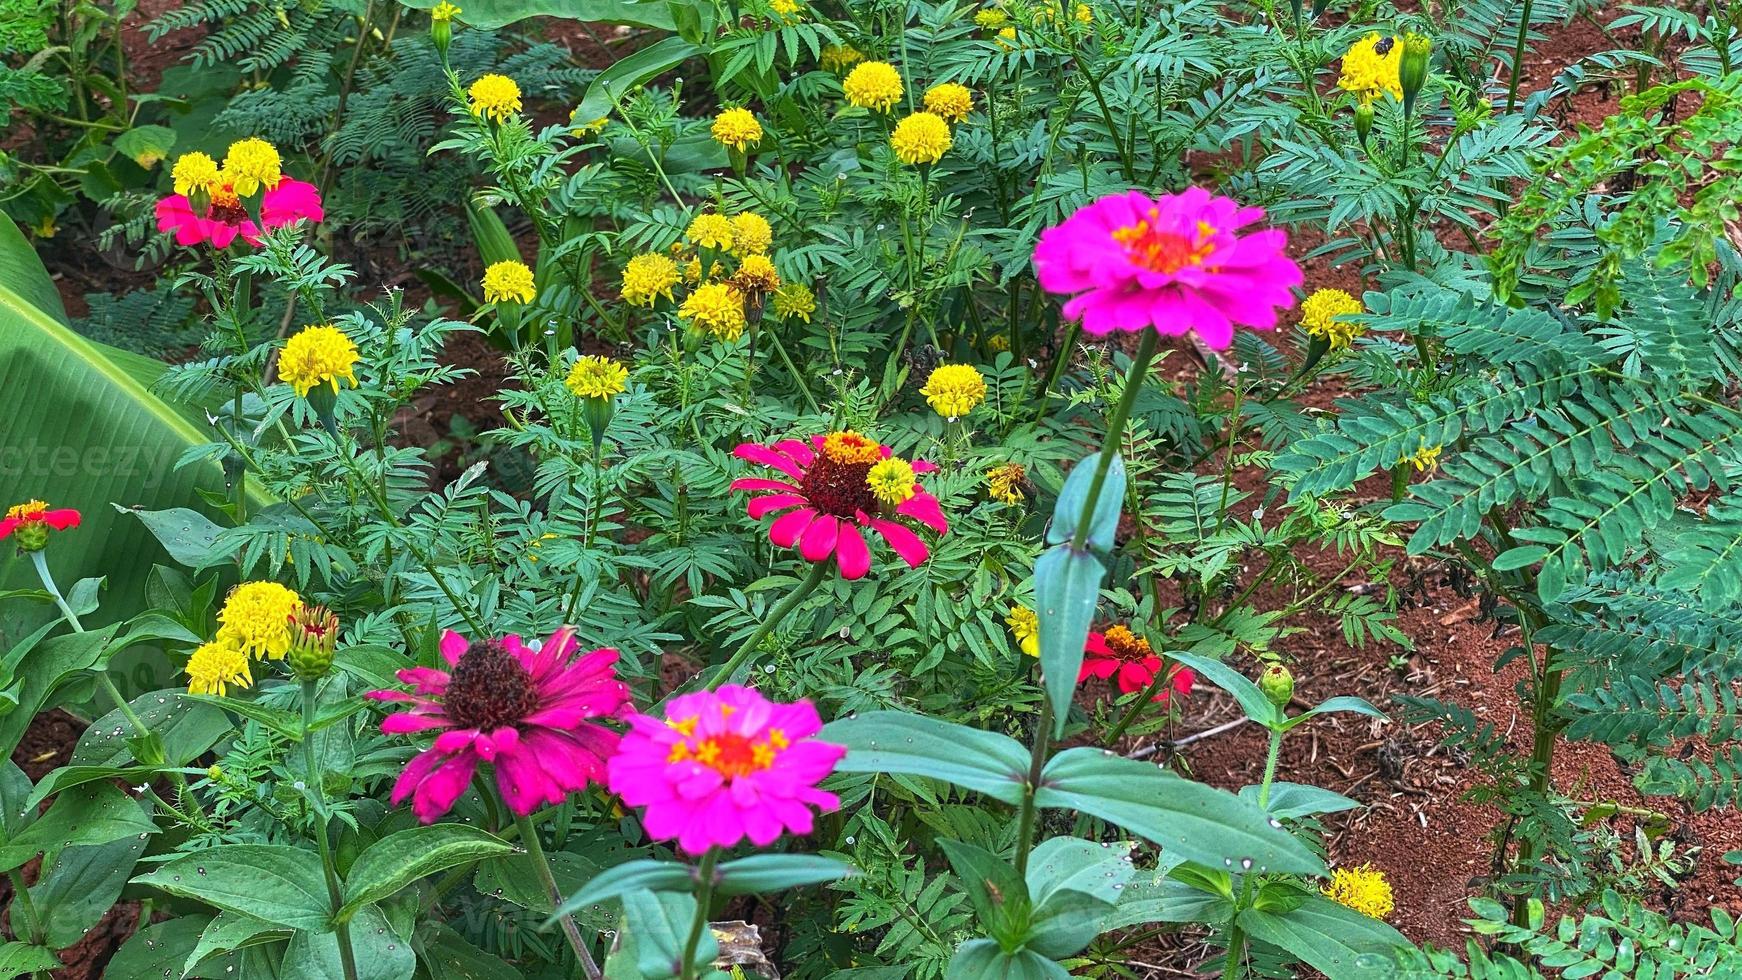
1412	72
314	633
1277	684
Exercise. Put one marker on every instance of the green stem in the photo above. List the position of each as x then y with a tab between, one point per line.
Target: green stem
66	611
312	781
1115	434
773	619
541	863
1228	462
786	359
25	907
1270	768
1236	948
704	895
1036	763
1518	56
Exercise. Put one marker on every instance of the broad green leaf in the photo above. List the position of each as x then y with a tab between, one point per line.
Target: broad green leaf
381	953
1067	511
18	959
1188	819
1336	941
88	815
399	859
984	959
491	14
896	741
446	955
660	922
1073	864
15	789
762	873
1332	705
186	729
1290	801
1252	700
514	878
1162	899
21	269
83	883
162	950
228	932
999	896
272	882
616	82
630	876
282	722
1066	922
189	537
146	145
42	668
1067	584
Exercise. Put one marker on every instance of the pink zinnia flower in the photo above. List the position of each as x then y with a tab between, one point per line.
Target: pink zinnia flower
842	485
1127	659
524	711
225	218
1173	263
725	765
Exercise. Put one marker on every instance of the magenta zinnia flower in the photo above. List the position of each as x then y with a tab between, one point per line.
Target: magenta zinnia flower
725	765
225	218
843	484
1173	263
524	711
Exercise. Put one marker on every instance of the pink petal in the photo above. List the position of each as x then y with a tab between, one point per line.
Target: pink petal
851	554
785	530
818	541
906	543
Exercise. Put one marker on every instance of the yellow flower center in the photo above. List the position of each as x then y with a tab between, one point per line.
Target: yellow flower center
717	308
921	138
509	281
729	754
256	618
874	85
596	377
1363	889
751	234
251	164
954	389
194	172
891	481
647	278
26	510
850	447
212	668
711	231
1163	249
737	128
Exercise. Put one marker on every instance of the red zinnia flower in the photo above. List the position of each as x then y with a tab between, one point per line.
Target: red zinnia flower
842	485
525	711
32	520
1127	659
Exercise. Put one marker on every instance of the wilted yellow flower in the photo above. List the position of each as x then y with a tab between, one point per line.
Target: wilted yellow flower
509	281
1318	317
1004	483
215	667
991	19
495	96
737	128
251	164
1363	889
950	101
954	389
1370	67
891	481
1025	627
874	85
317	355
835	57
579	129
756	276
647	278
593	376
717	308
794	301
194	172
256	618
751	234
711	231
443	12
921	138
1424	459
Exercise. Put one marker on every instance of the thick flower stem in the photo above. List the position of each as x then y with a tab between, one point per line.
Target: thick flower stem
312	781
1269	769
66	611
1115	434
704	895
541	863
773	619
1036	763
25	925
1518	56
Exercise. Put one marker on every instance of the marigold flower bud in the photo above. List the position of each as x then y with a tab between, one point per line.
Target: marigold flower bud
1412	71
1277	684
1363	121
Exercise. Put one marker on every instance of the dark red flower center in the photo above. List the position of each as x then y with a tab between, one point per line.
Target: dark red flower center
229	212
835	483
489	688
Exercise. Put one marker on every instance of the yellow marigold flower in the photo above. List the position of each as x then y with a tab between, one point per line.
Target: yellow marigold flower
1370	67
443	12
215	667
596	377
1007	38
849	447
711	231
495	96
1025	627
874	85
1084	14
950	101
954	389
751	234
1424	459
647	278
717	308
920	138
579	129
795	301
194	172
756	275
692	271
737	128
1004	483
1363	889
1318	317
509	281
998	342
891	481
251	164
835	57
256	618
991	19
317	355
787	9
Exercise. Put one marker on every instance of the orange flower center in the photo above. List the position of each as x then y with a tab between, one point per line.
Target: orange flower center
1127	645
29	510
851	447
731	754
1163	249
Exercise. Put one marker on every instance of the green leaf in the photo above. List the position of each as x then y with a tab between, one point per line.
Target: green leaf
630	876
1336	941
896	741
162	950
43	667
83	883
624	74
17	959
514	878
1066	922
1188	819
761	873
1291	801
185	728
984	959
492	14
1067	584
1252	700
189	537
999	896
146	145
447	956
381	954
1067	511
1519	557
284	723
228	932
21	269
399	859
1073	864
1333	705
272	882
660	922
1158	898
88	815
